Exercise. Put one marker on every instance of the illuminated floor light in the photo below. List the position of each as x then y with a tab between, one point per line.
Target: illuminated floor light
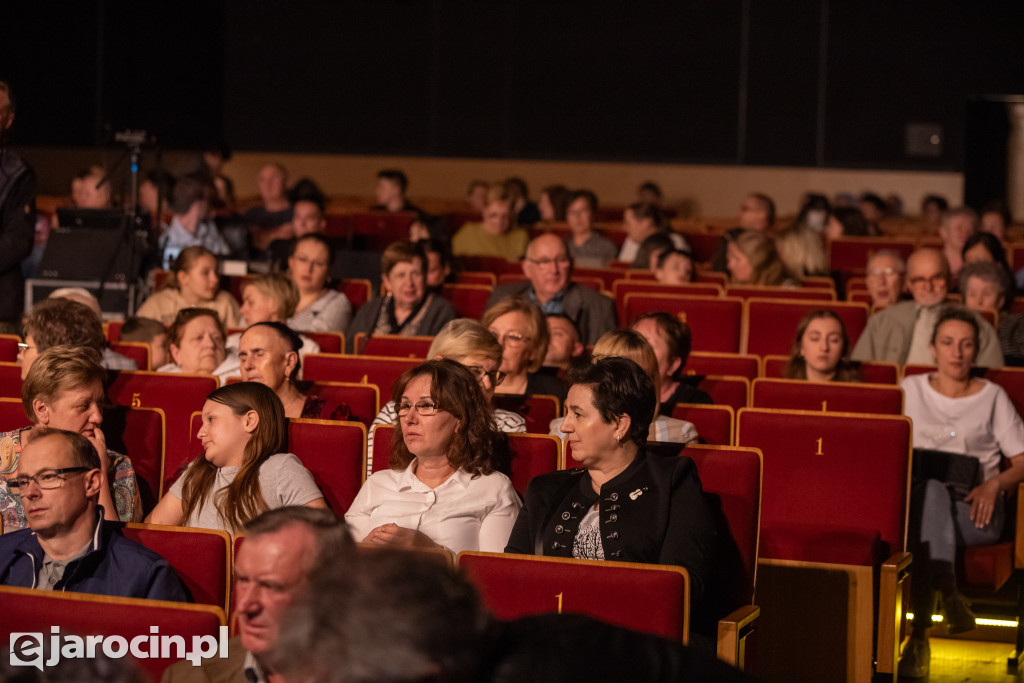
1005	623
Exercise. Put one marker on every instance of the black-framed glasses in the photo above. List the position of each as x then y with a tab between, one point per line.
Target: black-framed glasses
561	261
496	376
45	479
424	408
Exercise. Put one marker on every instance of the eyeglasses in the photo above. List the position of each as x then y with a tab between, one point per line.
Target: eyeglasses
496	376
932	279
561	261
45	479
511	338
424	408
882	272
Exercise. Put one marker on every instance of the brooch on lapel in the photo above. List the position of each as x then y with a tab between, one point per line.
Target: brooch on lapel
636	494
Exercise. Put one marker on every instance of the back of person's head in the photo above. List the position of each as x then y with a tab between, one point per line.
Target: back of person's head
59	369
621	387
184	262
651	189
933	200
81	295
759	248
333	538
853	221
306	190
992	244
631	345
676	333
455	390
464	337
518	186
875	201
281	289
142	330
187	191
394	615
558	195
54	322
644	210
242	499
395	176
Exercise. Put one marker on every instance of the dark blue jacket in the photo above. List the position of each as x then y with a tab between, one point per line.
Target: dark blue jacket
113	565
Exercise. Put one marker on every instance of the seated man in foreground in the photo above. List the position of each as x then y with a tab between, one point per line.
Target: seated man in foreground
68	546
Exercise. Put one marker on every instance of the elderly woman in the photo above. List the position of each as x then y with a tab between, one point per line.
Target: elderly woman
320	308
270	353
624	504
66	322
632	345
407	309
522	330
471	344
821	350
751	259
196	344
984	288
193	282
442	489
966	416
64	390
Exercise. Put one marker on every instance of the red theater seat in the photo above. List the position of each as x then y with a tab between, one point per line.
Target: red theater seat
9	348
10	380
382	438
357	290
329	342
538	410
850	397
363	400
736	364
870	372
375	230
771	323
140	433
378	370
393	345
621	287
850	254
200	557
12	414
476	278
137	351
728	391
714	423
532	454
716	322
752	291
335	454
470	301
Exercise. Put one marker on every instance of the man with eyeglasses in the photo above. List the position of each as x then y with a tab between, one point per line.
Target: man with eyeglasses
68	545
548	269
902	332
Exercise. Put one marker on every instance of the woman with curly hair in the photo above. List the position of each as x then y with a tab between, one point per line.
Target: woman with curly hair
442	490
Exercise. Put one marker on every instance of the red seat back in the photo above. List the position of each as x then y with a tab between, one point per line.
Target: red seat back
771	323
476	278
702	244
623	286
200	557
377	370
470	301
335	454
12	414
538	410
532	454
849	397
114	330
9	348
10	380
870	372
363	400
736	364
851	254
139	433
727	391
137	351
808	293
375	230
393	345
383	435
716	322
329	342
357	290
715	424
644	597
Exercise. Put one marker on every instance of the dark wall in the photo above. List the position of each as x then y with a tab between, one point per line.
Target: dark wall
802	82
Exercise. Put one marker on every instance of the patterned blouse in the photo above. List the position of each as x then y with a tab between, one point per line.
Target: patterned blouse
124	489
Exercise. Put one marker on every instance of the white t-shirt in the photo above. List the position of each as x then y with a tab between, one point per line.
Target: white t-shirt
463	513
983	425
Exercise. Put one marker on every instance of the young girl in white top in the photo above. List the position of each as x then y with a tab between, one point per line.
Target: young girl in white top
244	470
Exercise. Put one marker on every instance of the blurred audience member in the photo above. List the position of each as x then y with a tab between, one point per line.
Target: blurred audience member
193	281
650	193
995	218
321	308
757	212
86	191
587	247
674	267
753	260
563	342
272	219
390	191
884	278
476	195
671	340
146	331
553	202
957	226
526	211
873	208
933	206
984	287
189	226
497	235
640	221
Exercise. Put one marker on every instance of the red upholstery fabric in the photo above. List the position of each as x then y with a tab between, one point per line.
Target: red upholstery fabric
382	437
200	557
833	470
1010	379
362	399
357	290
489	264
873	373
30	611
177	395
623	286
114	331
470	301
476	278
395	346
532	454
821	543
850	254
987	566
329	342
595	282
139	433
808	293
136	351
9	348
714	423
831	396
729	391
703	244
538	410
771	322
716	322
642	597
12	414
735	364
375	230
335	453
377	370
10	380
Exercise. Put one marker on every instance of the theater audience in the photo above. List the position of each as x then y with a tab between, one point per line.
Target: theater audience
521	329
64	390
146	331
983	246
270	298
873	208
271	220
471	344
751	259
671	340
86	190
442	490
674	267
407	308
190	226
957	226
632	345
68	545
884	278
270	353
902	332
195	342
651	250
958	414
640	221
390	191
308	216
757	212
439	263
563	342
245	468
800	245
498	233
587	247
476	195
549	271
821	350
608	415
553	202
192	282
984	287
66	321
649	192
846	221
320	308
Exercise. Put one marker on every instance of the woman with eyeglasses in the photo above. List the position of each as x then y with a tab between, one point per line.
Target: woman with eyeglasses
64	390
471	344
320	308
522	330
442	490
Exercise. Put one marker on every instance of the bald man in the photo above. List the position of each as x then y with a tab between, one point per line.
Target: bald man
902	332
549	284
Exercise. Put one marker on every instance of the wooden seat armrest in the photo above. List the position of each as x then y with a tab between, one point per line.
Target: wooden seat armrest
732	632
890	610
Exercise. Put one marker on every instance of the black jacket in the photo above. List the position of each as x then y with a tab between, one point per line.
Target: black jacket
17	230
